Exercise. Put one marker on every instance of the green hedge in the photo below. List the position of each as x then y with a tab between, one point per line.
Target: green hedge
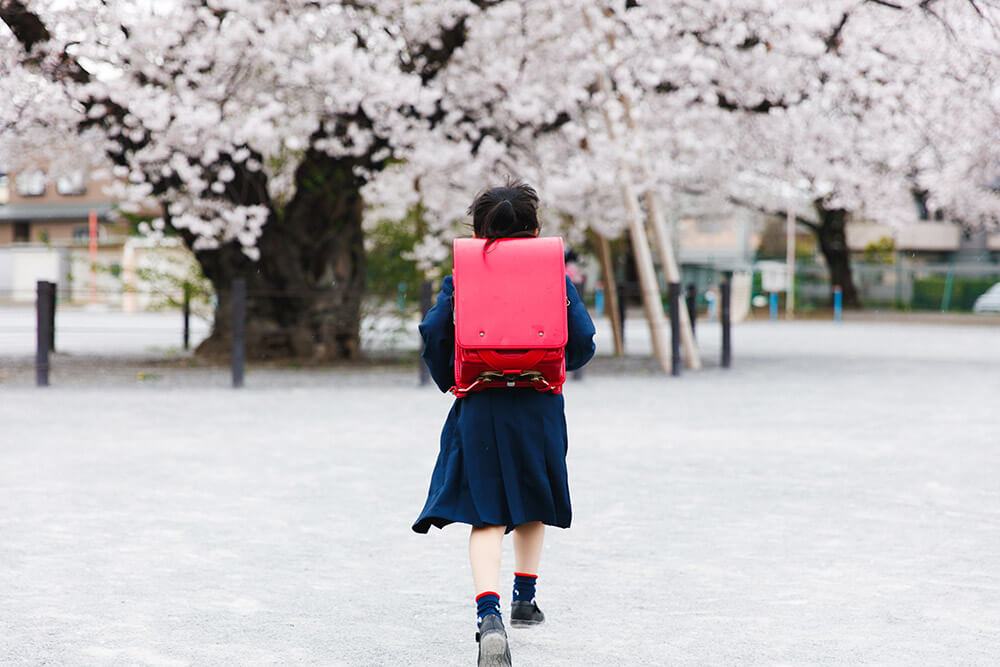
928	293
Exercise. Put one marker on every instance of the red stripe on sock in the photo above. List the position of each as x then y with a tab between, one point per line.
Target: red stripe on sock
522	574
486	593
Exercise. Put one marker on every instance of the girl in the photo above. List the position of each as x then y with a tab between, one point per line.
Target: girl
502	464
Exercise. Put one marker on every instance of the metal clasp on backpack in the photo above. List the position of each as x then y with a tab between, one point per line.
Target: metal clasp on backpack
487	377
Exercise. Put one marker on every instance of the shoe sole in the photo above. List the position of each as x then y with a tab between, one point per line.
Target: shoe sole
493	651
517	623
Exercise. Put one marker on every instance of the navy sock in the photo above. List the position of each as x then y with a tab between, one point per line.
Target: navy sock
487	603
524	587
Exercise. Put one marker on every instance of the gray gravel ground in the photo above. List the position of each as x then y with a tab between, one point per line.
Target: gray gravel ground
831	500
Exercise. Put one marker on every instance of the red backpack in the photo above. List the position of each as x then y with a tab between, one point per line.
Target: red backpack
510	314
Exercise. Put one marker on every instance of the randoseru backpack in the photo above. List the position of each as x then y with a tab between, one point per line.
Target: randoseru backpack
510	314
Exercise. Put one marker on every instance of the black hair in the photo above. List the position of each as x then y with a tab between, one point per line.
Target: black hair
505	212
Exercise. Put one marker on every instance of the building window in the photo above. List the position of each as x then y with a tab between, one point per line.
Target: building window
31	183
22	232
72	183
4	188
81	233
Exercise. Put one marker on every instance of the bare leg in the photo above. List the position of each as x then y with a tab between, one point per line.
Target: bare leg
484	555
528	538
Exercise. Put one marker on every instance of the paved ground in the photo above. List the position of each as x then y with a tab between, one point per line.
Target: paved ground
831	500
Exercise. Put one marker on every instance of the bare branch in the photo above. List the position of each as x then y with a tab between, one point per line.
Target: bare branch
886	3
743	203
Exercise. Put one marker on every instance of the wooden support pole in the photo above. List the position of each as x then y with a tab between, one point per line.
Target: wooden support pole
673	274
610	292
664	248
648	286
660	236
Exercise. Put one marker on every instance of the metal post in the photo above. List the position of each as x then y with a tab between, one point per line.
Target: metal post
612	293
239	297
899	279
187	315
725	290
790	264
622	311
92	238
949	283
426	294
43	333
52	316
674	294
692	304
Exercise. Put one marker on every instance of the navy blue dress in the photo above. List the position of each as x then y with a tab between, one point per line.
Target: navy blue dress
503	451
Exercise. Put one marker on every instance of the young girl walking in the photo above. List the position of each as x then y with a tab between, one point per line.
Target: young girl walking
502	463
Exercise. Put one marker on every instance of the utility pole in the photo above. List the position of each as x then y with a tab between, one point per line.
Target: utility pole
790	263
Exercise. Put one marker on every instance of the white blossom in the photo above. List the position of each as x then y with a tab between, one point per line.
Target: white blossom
852	103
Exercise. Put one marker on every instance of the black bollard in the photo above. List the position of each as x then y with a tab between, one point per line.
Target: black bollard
692	304
187	316
239	297
43	331
725	290
674	294
52	316
621	310
426	295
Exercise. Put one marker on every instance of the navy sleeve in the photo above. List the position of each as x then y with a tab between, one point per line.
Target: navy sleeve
438	332
580	346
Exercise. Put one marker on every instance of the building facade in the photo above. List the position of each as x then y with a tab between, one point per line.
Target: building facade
38	207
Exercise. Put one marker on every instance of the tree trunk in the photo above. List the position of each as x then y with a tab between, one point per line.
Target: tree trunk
833	244
304	295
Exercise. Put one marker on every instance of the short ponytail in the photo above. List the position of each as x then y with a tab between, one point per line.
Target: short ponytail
505	212
500	221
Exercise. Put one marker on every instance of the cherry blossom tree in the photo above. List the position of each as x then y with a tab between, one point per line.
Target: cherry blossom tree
905	107
255	124
849	105
272	131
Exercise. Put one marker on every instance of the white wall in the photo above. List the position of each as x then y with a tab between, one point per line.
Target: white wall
28	265
6	273
922	235
938	236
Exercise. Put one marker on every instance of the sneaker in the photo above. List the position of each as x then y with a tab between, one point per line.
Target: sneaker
525	614
492	638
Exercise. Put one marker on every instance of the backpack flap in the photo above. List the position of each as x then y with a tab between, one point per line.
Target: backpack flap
510	296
